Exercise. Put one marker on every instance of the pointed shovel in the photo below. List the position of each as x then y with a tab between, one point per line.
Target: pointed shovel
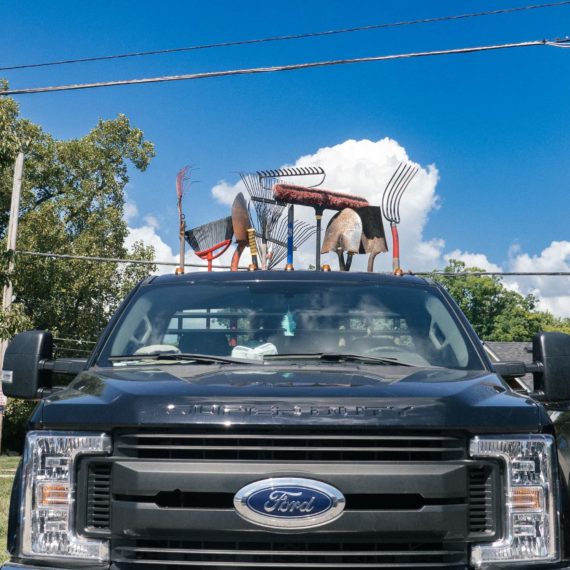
373	239
240	223
343	234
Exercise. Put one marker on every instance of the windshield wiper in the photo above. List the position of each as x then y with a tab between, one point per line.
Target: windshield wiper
180	356
338	357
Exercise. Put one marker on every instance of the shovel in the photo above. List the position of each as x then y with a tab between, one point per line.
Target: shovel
373	240
343	234
240	223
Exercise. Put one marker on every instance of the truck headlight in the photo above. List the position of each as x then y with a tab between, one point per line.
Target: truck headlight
530	517
47	514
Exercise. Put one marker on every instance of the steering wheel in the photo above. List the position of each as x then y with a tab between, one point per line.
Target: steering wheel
139	341
439	340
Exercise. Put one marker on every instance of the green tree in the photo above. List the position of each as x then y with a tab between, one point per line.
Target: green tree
72	203
496	312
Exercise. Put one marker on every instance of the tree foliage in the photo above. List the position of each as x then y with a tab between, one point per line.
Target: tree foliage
72	203
497	313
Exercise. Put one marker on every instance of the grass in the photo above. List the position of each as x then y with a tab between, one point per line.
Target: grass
7	471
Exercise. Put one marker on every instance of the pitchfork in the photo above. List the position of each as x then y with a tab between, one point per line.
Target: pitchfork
393	193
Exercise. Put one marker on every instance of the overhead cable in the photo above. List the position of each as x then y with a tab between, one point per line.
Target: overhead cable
115	259
290	36
437	272
276	68
442	273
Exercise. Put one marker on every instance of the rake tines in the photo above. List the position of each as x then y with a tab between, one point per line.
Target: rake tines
279	173
268	211
391	198
278	242
211	240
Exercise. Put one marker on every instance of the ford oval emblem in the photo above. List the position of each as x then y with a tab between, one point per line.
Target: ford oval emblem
289	503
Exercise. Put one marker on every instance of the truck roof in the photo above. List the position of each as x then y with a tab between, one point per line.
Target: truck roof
283	276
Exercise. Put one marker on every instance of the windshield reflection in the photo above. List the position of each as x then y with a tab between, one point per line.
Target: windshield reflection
257	321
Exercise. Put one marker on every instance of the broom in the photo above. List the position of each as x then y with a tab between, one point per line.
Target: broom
320	200
211	240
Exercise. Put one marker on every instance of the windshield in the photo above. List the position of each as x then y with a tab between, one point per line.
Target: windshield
264	321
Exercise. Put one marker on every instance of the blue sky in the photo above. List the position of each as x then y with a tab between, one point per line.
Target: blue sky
495	125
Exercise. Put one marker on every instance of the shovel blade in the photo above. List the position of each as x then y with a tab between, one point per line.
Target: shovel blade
343	232
373	237
240	218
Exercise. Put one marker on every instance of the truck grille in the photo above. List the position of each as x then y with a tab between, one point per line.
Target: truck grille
98	495
285	554
165	498
314	445
481	501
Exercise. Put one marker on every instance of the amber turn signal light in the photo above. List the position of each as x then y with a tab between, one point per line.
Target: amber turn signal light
527	498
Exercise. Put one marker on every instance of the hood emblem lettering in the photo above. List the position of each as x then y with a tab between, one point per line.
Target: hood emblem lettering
289	503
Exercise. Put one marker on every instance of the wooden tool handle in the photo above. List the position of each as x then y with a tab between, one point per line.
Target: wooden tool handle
252	246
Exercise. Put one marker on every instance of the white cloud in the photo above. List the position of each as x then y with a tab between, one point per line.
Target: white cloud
553	292
130	211
162	251
479	260
225	193
364	167
151	221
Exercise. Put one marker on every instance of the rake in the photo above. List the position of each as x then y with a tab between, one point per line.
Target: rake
269	212
391	198
211	240
280	247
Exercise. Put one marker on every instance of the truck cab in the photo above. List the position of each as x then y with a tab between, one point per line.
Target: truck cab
290	419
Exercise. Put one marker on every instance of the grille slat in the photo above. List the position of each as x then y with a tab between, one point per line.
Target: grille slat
344	555
297	447
481	501
99	495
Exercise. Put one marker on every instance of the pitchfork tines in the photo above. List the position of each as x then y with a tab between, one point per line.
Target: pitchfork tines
395	189
391	204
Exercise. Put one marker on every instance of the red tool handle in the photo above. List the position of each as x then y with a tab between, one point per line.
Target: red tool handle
395	247
237	255
208	254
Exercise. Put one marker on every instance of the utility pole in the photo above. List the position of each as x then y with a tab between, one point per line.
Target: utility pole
11	246
13	228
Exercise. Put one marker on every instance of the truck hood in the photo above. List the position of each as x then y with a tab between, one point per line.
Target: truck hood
339	394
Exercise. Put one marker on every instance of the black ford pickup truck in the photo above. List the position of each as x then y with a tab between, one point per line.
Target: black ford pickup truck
290	420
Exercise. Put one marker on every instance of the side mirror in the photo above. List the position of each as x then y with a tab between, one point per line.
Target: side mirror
29	365
21	364
552	351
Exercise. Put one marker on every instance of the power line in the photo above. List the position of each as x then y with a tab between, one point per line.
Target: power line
290	36
115	259
437	272
75	340
441	273
277	68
